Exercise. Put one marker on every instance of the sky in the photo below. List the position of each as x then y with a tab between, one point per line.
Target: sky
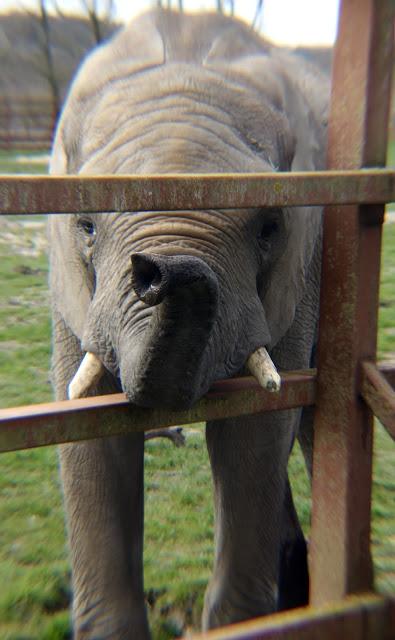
284	21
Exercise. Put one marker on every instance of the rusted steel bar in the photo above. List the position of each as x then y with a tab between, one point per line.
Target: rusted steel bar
366	616
340	558
379	395
387	369
97	417
52	426
48	194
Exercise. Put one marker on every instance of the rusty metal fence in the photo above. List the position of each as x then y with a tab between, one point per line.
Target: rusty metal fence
26	124
349	385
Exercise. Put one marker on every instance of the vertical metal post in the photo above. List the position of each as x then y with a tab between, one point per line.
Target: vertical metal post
340	558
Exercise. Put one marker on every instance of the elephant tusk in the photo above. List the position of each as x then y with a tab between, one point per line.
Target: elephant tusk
89	373
261	366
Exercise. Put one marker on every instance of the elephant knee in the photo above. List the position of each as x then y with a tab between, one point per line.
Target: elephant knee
228	602
216	610
105	622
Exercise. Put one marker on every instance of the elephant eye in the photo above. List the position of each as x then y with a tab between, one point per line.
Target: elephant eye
88	227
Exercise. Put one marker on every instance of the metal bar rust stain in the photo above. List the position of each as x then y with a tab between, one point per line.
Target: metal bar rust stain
57	422
67	194
379	395
340	558
98	417
366	616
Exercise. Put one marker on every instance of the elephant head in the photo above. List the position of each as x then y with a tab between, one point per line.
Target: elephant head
169	302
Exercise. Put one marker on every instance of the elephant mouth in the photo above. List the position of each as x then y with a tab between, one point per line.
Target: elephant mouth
91	370
168	366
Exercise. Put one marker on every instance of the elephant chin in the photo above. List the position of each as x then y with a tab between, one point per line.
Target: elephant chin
259	364
183	392
162	375
175	395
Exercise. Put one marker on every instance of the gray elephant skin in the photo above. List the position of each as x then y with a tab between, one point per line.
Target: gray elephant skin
171	302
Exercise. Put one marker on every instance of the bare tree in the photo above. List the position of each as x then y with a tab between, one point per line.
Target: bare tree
6	87
258	13
222	6
98	18
51	71
43	62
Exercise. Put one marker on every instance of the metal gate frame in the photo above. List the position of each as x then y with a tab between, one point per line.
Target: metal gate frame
348	386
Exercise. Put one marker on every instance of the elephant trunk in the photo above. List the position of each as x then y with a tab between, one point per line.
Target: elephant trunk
165	367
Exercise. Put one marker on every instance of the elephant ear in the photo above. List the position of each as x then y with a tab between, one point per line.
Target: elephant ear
71	287
305	104
288	280
300	93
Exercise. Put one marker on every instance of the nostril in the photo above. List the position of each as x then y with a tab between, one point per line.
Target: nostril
148	279
156	276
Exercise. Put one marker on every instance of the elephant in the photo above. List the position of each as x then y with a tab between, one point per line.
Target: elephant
162	304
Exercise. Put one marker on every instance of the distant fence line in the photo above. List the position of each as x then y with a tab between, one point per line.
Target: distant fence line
26	124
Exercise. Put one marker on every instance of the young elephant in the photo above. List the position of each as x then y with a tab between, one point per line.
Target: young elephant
167	303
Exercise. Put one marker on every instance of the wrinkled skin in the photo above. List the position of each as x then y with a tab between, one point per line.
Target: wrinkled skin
171	302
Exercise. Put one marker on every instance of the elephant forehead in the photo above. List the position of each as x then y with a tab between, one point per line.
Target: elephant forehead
174	148
203	223
184	113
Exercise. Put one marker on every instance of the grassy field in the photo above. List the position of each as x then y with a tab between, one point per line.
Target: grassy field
34	571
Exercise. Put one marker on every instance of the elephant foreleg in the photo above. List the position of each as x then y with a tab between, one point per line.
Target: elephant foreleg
103	495
103	490
249	465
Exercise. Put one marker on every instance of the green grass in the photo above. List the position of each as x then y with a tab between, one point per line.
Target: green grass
386	337
26	162
34	570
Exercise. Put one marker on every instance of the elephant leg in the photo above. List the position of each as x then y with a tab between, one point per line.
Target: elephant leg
294	574
249	466
103	494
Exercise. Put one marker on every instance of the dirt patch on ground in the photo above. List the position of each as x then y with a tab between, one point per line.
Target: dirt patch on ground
26	237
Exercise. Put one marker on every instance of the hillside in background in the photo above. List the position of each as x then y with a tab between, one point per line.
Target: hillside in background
28	48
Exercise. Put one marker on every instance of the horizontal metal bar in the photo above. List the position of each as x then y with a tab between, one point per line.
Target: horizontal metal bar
55	422
379	395
67	194
101	416
387	368
366	616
